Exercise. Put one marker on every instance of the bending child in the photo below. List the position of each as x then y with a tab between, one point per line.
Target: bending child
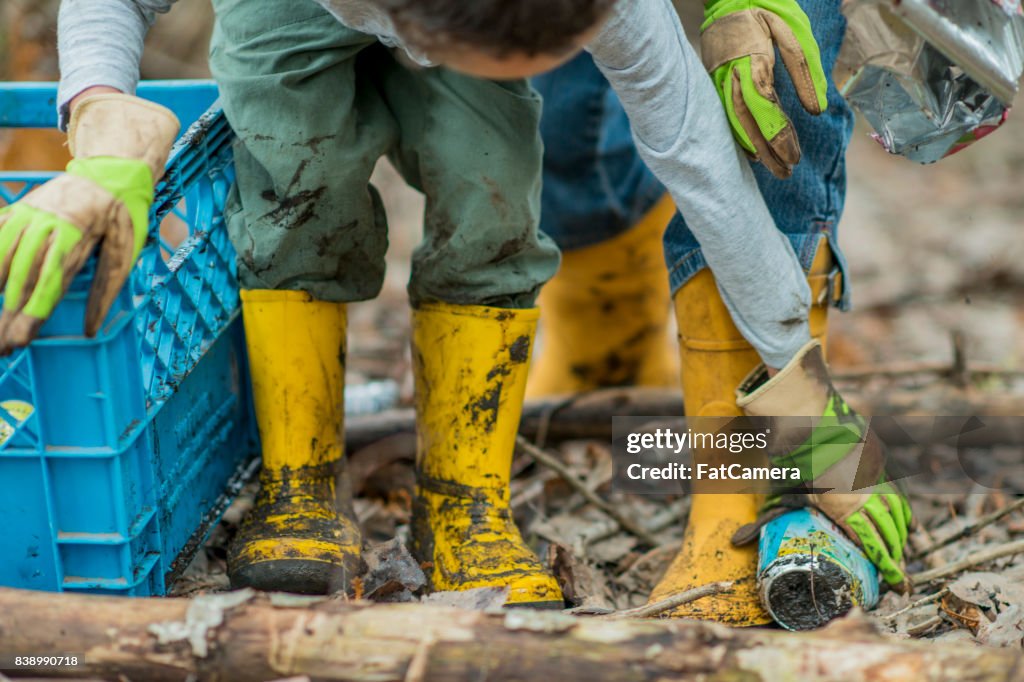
606	312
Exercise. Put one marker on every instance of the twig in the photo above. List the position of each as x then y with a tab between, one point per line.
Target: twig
892	370
529	493
959	372
911	368
972	528
543	457
984	556
924	626
920	602
660	607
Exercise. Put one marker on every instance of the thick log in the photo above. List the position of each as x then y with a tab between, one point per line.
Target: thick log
582	416
240	637
590	415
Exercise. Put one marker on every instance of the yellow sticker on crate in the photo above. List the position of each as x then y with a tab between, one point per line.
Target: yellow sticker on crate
18	409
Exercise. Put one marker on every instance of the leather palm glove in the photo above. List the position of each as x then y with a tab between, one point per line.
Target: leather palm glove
841	461
738	41
120	146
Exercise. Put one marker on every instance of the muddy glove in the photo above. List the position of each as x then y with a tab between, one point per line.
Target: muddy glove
738	41
835	451
120	146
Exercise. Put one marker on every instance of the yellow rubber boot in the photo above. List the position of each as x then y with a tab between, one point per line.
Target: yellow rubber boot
470	365
826	285
296	539
715	359
606	314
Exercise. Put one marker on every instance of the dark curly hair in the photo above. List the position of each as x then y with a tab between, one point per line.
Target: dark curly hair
501	27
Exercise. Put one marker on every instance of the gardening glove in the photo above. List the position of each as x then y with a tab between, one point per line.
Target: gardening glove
120	146
841	461
738	41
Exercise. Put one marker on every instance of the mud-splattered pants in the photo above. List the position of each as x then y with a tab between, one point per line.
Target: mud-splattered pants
315	105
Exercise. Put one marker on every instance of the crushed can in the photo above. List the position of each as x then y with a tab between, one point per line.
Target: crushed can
809	572
931	76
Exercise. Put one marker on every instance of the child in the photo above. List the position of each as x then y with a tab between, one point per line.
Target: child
617	337
316	97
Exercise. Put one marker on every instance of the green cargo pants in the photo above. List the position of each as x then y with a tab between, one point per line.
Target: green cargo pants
315	105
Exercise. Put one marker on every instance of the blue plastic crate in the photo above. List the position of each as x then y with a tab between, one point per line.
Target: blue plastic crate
119	453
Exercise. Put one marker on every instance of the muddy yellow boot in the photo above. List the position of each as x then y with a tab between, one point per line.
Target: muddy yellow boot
826	283
606	314
470	365
715	359
296	539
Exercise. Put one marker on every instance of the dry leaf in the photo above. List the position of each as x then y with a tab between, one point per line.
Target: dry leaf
393	574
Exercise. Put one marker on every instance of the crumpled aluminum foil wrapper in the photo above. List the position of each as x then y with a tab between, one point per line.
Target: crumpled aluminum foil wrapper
931	76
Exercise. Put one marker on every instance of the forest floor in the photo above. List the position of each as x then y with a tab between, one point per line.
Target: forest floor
936	264
937	270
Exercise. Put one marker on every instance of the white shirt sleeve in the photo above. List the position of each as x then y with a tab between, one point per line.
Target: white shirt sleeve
100	43
682	133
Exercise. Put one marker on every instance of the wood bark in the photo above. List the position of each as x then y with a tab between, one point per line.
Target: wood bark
590	415
241	637
582	416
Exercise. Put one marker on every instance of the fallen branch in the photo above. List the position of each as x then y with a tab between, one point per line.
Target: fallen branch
550	461
589	415
925	626
973	528
676	600
911	368
242	637
976	559
932	598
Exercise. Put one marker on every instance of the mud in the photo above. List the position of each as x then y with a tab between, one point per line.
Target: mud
313	143
297	503
484	410
806	599
519	351
297	209
612	370
508	249
197	132
501	370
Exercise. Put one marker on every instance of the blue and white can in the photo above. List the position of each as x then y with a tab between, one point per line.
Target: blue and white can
810	572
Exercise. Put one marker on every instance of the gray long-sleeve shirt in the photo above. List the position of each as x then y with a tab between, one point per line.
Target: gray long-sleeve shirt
678	124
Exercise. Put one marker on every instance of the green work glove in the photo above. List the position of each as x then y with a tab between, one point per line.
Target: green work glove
841	461
738	41
120	144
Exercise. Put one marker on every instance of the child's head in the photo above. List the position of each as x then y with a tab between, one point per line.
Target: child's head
497	39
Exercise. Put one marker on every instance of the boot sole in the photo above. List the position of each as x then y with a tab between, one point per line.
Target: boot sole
538	605
296	576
